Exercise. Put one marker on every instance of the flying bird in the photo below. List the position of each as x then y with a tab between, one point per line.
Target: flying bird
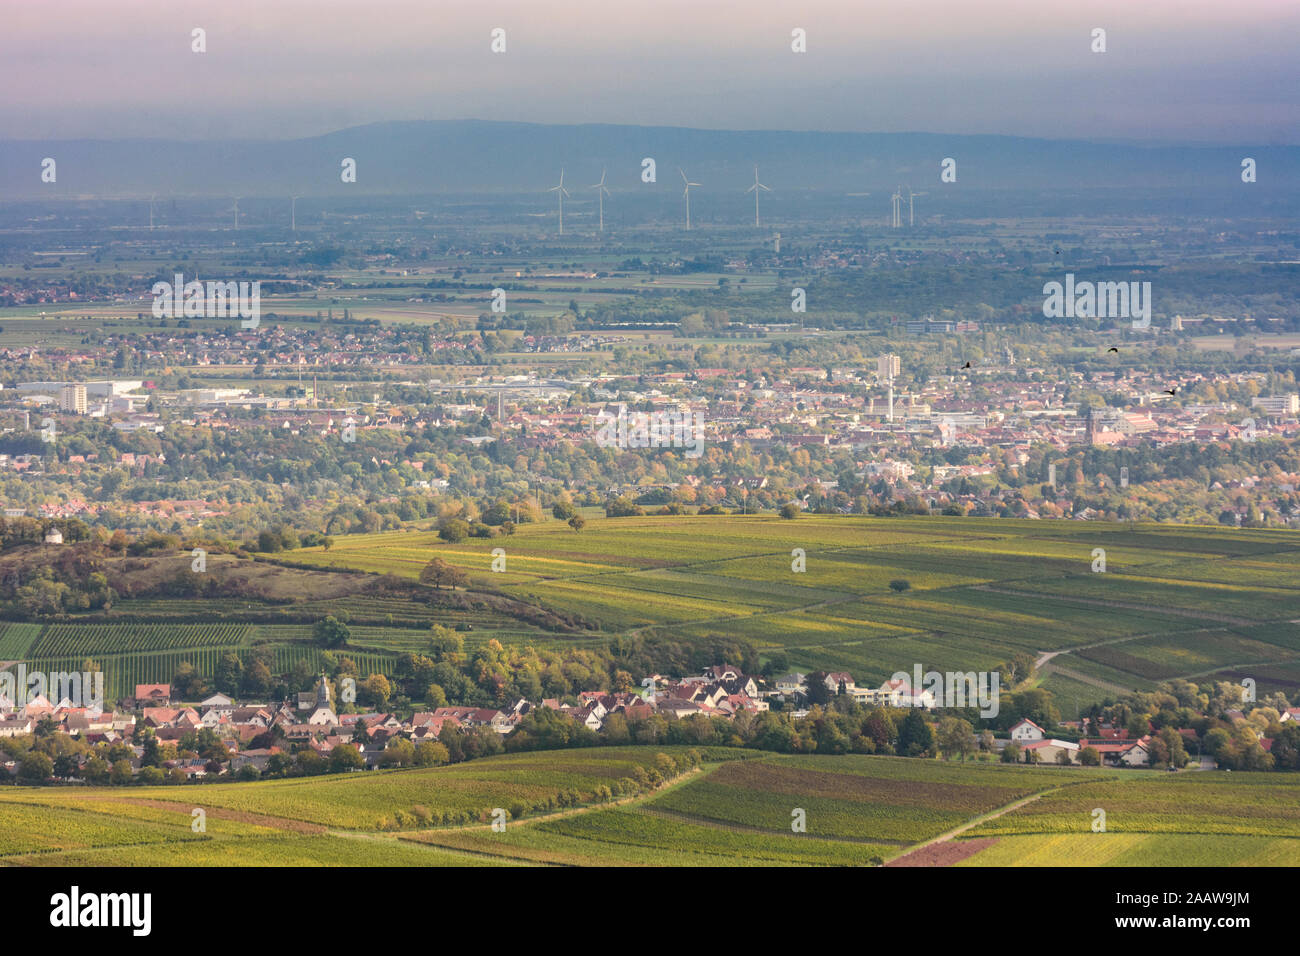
1113	349
1172	391
967	365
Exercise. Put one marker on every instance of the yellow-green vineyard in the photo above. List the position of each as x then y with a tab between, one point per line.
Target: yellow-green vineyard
1174	601
671	807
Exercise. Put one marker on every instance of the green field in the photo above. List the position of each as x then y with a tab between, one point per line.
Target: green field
1205	603
736	809
1223	803
1153	819
895	800
1174	601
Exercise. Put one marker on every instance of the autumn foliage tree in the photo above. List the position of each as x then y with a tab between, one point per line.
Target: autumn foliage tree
438	572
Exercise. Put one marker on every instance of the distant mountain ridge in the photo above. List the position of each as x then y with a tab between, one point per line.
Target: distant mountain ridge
466	156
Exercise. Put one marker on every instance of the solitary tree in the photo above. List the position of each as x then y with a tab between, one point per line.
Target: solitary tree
438	572
330	632
454	530
956	736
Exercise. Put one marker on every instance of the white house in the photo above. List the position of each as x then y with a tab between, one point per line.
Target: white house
217	702
899	693
833	682
720	672
1138	755
16	726
1026	730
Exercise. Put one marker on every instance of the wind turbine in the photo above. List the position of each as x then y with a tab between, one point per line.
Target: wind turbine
560	193
896	201
601	193
236	213
687	194
755	189
151	199
911	219
293	213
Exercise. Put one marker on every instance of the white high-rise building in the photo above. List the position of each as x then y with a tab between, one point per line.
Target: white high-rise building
887	367
72	398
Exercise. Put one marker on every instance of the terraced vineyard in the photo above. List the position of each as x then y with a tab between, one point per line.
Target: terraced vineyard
17	639
137	653
62	640
736	809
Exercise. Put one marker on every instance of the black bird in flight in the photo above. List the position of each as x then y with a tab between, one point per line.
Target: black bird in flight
1172	391
1113	349
967	365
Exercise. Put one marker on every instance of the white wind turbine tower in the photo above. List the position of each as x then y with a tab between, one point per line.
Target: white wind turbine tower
896	201
151	199
755	189
686	193
911	218
293	213
560	193
601	193
236	213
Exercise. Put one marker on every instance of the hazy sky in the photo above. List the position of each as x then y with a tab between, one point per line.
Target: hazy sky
1189	70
